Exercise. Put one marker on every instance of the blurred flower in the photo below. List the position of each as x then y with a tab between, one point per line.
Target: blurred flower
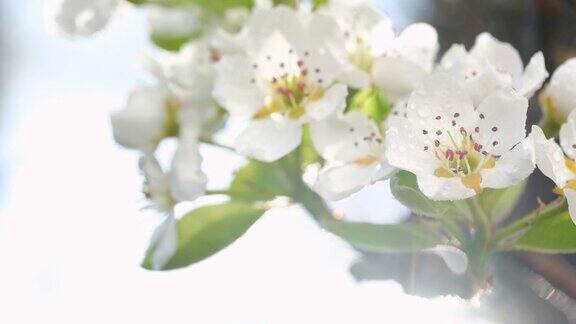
560	94
558	162
455	149
175	22
81	17
284	80
354	149
492	64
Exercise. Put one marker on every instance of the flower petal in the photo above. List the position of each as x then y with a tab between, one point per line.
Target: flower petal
334	100
454	56
347	138
396	77
408	149
502	121
455	259
437	188
165	240
503	56
562	87
534	76
268	140
550	158
418	43
512	167
339	182
141	124
188	182
568	135
571	198
233	87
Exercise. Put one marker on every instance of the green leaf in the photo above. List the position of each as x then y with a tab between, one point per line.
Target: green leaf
258	181
405	189
207	230
173	43
551	233
499	203
406	237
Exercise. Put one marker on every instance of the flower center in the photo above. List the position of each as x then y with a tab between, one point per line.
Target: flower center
464	159
291	91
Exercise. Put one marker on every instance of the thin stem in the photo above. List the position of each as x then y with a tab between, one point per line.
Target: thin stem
454	229
217	192
526	221
480	246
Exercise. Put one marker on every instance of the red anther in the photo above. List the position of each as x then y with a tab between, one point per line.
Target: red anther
463	131
284	92
301	85
462	154
449	154
300	63
304	72
477	147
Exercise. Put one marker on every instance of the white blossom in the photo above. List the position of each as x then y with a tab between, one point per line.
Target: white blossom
376	56
284	80
175	22
490	65
560	94
353	148
455	149
81	17
557	162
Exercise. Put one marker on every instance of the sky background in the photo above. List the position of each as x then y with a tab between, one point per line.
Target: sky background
72	232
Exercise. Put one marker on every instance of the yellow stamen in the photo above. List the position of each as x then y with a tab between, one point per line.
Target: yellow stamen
444	173
473	181
489	163
296	113
367	160
570	164
317	94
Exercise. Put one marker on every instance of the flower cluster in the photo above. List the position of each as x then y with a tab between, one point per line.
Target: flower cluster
338	79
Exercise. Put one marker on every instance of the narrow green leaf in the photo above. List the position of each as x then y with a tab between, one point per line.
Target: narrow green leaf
405	189
258	181
173	43
552	233
406	237
499	203
319	3
207	230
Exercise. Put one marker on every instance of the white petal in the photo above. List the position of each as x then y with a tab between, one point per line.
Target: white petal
396	77
534	76
550	158
502	121
140	125
455	259
165	243
485	82
268	140
338	182
571	198
453	56
434	105
383	37
512	167
355	78
568	135
405	148
501	55
233	87
266	21
188	182
174	22
437	188
346	138
334	100
419	44
81	17
562	86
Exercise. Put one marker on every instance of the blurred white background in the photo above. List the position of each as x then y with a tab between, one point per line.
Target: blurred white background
72	233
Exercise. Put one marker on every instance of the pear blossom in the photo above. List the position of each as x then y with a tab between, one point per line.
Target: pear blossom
353	147
559	96
285	79
491	64
456	149
175	22
376	56
81	17
142	123
557	162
